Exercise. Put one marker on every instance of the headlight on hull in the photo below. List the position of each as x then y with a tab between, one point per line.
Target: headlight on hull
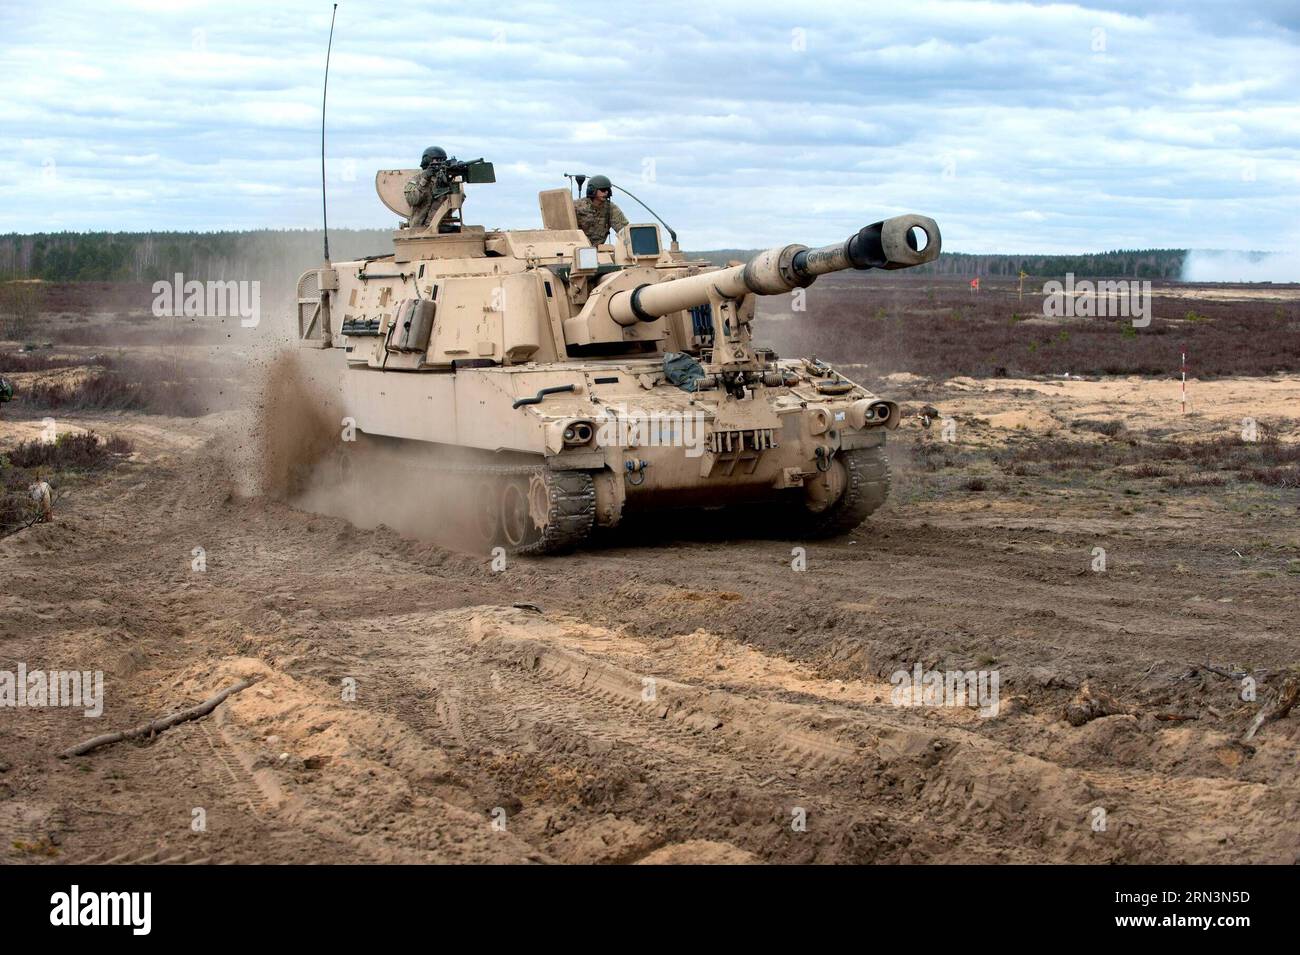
578	433
568	434
873	413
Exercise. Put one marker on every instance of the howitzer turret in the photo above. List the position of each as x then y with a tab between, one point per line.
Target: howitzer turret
569	382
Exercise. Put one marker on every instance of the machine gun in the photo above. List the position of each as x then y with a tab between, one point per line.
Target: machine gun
448	196
471	170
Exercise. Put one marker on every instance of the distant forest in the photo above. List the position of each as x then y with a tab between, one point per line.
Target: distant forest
1124	263
147	256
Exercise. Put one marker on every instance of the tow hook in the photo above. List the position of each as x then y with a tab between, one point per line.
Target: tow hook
635	467
824	456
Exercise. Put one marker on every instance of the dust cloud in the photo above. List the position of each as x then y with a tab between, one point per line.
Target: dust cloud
1206	266
373	485
289	445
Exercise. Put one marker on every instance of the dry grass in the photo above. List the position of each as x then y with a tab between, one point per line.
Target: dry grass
1122	462
1212	462
19	361
938	329
56	462
1109	428
144	384
21	303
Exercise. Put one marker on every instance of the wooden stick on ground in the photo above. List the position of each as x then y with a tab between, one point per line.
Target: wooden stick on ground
1287	695
1230	674
160	724
1089	704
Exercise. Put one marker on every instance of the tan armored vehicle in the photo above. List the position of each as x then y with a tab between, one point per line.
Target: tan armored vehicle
567	384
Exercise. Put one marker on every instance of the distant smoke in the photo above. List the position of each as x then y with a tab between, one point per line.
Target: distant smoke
1203	266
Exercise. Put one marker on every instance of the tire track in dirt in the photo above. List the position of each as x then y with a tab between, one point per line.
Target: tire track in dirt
567	710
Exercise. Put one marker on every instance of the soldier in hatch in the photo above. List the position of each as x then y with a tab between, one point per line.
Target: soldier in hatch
597	215
426	191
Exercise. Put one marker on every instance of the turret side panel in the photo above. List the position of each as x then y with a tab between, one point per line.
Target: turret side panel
470	312
526	326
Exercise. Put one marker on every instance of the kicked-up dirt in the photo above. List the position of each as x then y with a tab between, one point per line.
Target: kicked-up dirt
687	694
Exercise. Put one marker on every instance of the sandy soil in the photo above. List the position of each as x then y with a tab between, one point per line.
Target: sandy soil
678	698
1145	406
1278	293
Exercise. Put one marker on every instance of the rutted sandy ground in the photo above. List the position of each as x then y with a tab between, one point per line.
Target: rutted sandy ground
678	699
1146	406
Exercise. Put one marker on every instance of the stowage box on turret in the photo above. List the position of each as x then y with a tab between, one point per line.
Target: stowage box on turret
575	383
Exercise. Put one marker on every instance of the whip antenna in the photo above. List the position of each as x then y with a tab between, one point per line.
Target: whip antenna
324	209
647	209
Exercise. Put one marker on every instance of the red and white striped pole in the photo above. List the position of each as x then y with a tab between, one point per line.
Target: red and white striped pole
1184	364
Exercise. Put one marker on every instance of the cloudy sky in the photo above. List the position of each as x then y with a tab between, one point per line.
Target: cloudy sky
1020	127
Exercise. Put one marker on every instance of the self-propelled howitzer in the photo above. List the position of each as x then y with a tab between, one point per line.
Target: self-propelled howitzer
565	384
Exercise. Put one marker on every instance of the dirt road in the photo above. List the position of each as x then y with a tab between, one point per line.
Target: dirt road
678	698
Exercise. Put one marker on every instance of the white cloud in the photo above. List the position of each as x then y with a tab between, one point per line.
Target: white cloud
1057	127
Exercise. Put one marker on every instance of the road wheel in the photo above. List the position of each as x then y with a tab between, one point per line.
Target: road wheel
560	510
487	512
864	476
517	527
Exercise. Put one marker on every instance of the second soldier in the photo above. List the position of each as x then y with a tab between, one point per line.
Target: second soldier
597	214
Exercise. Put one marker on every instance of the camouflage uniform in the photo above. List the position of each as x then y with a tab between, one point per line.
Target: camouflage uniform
596	221
424	193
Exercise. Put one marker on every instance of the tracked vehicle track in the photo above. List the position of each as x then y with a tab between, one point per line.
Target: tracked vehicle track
867	488
569	499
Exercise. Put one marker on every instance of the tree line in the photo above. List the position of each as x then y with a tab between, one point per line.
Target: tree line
148	256
1123	263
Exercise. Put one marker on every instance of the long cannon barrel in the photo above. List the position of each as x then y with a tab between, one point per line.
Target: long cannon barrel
891	244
